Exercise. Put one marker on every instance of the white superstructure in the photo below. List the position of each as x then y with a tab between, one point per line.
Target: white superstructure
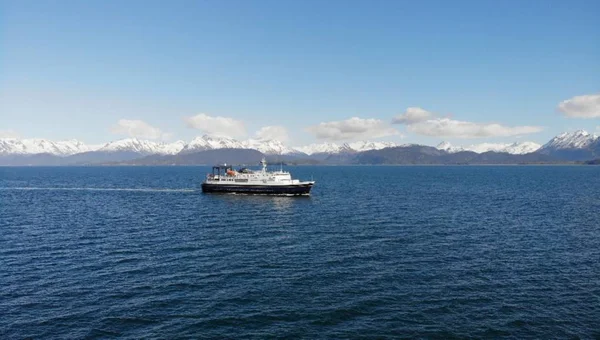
250	177
227	180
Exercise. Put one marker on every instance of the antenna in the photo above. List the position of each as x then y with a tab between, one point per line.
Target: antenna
263	162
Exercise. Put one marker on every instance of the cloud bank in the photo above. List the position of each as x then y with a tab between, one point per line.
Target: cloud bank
273	132
445	127
426	123
586	106
9	134
352	128
138	129
217	126
412	115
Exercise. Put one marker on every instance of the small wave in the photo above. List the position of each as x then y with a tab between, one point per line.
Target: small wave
96	189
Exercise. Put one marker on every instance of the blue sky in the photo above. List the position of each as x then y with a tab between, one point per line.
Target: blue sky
75	69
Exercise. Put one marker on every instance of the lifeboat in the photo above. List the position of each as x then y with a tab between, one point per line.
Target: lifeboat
231	172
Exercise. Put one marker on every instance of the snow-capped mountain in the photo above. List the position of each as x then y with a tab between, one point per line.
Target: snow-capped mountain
519	148
446	146
579	139
266	146
207	142
73	146
332	148
366	145
12	146
322	148
522	148
144	147
171	148
571	146
130	145
269	147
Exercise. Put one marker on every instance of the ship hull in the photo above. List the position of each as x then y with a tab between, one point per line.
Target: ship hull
257	189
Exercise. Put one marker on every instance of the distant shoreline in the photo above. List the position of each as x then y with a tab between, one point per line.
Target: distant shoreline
300	165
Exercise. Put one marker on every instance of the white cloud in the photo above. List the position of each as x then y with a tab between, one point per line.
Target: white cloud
426	123
9	134
273	132
138	129
352	128
586	106
217	126
445	127
412	115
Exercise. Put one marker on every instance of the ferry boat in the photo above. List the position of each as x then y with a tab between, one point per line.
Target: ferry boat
224	179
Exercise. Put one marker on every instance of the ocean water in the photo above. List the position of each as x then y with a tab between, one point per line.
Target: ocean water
402	252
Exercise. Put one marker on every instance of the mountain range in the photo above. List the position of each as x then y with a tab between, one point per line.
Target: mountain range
566	147
512	148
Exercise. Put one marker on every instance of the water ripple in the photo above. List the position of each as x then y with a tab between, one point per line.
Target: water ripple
381	252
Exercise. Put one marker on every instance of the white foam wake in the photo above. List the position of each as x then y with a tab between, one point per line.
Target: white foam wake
99	189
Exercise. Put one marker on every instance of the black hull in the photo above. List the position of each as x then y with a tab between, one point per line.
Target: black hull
295	190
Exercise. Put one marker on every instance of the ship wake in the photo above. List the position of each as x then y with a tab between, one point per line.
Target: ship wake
96	189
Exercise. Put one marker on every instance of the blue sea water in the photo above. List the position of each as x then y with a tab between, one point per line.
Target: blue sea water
409	252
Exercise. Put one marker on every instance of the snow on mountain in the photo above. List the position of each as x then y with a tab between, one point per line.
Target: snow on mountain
11	146
39	146
486	147
579	139
311	149
332	148
72	146
518	148
145	147
522	148
268	147
207	142
366	145
131	145
171	148
446	146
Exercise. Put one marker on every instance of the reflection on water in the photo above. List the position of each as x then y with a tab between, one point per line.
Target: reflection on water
280	203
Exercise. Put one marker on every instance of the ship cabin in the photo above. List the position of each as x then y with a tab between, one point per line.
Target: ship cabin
226	173
219	170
